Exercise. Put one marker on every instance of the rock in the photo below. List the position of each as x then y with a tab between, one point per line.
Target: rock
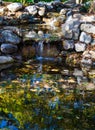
68	44
15	30
13	7
2	10
6	59
42	11
31	34
11	21
90	86
89	28
71	28
85	38
92	53
23	16
32	9
9	36
40	34
77	15
77	72
86	59
87	18
80	47
68	34
10	14
8	48
63	11
55	22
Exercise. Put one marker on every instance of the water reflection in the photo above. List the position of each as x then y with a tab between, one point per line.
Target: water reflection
47	102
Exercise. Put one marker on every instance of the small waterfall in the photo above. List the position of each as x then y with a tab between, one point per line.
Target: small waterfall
39	57
40	49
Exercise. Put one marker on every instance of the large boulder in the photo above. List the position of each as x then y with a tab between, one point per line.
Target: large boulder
8	48
13	7
10	37
6	59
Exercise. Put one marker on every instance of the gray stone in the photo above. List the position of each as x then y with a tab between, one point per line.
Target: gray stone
87	18
67	33
71	28
89	28
9	36
6	59
77	15
15	30
49	7
8	48
32	9
68	44
24	16
77	72
85	38
80	47
84	18
13	7
31	34
86	61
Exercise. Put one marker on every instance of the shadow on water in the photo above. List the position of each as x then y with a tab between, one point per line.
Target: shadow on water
42	93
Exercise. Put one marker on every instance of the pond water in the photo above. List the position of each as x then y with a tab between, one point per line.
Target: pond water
44	93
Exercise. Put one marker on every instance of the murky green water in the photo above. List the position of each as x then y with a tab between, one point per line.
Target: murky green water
45	97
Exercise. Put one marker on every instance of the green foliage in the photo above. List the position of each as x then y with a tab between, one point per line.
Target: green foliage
29	1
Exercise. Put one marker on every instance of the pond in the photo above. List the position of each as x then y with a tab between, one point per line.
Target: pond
43	93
